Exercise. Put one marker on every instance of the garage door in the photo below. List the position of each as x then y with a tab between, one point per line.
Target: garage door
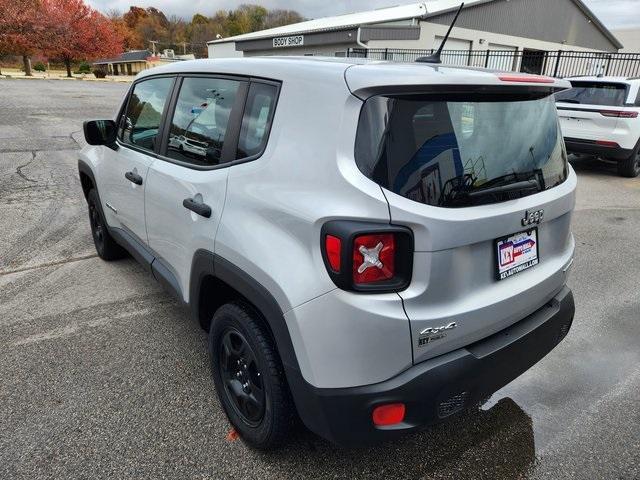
457	51
503	58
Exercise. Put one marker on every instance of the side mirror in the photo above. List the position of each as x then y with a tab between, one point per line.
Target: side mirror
100	132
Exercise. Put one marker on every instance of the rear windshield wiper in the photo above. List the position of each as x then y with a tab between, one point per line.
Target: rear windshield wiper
463	190
521	187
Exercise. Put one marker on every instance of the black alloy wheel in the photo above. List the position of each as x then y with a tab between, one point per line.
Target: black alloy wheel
97	227
107	248
249	376
243	381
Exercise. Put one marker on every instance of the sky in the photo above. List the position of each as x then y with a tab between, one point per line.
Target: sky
615	14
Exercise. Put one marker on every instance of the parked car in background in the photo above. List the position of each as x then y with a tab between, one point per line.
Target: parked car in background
601	116
374	257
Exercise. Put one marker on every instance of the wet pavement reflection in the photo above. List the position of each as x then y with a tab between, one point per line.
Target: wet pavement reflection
494	443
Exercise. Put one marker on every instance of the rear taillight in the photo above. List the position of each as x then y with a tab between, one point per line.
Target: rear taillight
619	113
373	258
367	257
333	247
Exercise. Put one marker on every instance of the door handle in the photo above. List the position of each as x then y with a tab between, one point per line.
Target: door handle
200	208
134	178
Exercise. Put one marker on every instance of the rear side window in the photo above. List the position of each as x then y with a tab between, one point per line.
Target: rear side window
256	122
201	119
594	93
140	124
461	152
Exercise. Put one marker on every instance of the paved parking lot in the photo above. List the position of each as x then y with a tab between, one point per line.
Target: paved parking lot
103	375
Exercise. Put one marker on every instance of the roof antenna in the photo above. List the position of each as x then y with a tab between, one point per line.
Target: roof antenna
435	58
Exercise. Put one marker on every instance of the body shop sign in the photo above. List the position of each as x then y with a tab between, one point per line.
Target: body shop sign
294	41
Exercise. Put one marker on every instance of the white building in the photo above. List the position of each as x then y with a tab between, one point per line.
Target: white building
525	27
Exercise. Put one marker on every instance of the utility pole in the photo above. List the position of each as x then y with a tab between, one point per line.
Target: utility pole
184	48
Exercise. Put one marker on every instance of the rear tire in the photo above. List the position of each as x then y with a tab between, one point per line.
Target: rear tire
630	167
249	378
106	246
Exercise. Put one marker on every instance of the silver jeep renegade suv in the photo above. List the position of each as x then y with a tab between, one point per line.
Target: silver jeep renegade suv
371	246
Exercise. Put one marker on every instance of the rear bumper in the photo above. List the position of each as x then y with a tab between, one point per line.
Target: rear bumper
437	388
590	147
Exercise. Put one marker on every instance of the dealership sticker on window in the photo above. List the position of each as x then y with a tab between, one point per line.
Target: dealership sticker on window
516	253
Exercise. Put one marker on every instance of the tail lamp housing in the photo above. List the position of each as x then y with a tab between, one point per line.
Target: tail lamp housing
367	257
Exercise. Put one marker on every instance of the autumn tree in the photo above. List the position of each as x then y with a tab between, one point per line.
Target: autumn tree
76	31
22	24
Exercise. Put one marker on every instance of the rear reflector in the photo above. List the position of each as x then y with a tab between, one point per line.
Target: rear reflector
606	143
373	258
619	113
333	247
526	79
390	414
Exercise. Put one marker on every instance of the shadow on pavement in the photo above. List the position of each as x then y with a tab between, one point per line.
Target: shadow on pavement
589	165
496	443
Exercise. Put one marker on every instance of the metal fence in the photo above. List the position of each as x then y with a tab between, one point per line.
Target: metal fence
553	63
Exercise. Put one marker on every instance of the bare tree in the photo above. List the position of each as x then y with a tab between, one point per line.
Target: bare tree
279	17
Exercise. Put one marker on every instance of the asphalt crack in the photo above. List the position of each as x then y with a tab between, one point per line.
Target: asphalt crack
19	169
48	264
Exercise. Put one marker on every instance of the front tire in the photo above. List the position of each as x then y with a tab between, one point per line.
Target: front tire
630	167
106	246
249	377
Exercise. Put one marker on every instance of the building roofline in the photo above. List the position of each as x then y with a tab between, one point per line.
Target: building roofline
579	3
452	5
404	12
592	16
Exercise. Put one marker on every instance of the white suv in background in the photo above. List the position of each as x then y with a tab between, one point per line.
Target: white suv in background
601	116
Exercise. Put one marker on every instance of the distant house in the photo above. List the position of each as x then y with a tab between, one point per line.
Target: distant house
128	63
135	61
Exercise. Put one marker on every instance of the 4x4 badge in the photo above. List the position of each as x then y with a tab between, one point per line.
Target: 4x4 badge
432	334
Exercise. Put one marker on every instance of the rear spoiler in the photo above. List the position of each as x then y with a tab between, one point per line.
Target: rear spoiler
375	79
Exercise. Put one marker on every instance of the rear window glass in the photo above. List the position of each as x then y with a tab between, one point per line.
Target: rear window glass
256	121
461	153
594	93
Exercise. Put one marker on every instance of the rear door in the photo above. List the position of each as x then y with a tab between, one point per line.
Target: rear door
483	182
216	122
585	111
187	185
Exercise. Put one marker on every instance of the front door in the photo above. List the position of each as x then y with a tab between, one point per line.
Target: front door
126	165
186	186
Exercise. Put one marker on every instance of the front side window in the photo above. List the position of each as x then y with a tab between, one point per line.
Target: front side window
594	93
461	152
200	121
140	124
256	122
